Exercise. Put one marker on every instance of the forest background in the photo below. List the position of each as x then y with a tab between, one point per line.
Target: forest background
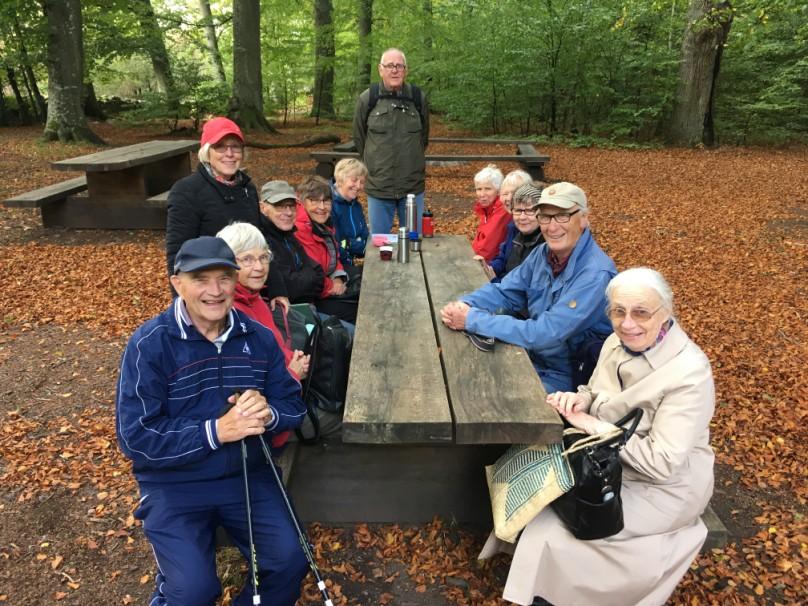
620	70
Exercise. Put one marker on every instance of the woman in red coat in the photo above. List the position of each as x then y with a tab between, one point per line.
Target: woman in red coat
493	216
339	297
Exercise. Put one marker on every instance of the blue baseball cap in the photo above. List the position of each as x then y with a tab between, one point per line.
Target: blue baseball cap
203	252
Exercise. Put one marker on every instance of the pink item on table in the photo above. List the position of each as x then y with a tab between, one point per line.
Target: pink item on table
379	240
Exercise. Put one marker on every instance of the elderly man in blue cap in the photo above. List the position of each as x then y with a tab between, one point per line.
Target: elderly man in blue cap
196	381
554	303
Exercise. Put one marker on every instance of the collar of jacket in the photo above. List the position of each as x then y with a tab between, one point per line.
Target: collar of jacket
227	192
337	198
183	329
485	212
527	239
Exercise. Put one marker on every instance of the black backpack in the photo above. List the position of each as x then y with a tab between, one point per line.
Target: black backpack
376	93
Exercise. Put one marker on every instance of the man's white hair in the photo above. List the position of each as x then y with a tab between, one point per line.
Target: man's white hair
394	49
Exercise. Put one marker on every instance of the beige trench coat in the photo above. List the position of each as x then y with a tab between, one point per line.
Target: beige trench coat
667	484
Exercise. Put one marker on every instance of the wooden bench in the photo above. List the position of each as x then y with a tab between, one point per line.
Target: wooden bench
159	201
425	410
44	197
526	155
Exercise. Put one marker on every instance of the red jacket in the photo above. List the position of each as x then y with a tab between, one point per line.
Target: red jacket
316	248
256	308
491	230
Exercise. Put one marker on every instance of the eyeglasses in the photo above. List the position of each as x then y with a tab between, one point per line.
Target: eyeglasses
236	148
394	67
287	207
529	211
325	202
559	217
638	314
250	261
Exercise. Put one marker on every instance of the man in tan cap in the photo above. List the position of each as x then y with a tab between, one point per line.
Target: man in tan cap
552	304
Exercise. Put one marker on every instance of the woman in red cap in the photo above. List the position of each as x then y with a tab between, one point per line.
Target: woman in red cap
217	194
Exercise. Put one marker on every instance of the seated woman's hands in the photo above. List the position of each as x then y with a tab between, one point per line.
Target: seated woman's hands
299	364
487	269
566	401
570	405
337	287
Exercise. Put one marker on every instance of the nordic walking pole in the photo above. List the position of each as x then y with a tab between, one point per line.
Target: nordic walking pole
253	555
304	542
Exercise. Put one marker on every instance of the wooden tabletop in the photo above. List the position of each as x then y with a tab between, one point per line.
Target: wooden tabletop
413	380
119	158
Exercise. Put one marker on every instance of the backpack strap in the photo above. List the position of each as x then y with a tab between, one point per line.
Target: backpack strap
375	93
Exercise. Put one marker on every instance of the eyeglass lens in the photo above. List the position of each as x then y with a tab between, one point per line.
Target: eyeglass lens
394	66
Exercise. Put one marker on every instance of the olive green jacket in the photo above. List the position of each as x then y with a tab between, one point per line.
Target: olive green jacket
392	143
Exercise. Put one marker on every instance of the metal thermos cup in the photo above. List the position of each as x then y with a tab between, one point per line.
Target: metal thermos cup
411	209
415	245
403	253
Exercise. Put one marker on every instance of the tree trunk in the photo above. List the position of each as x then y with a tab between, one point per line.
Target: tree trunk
156	48
323	102
92	107
22	106
246	106
38	103
212	41
710	139
708	23
4	121
365	43
66	120
37	116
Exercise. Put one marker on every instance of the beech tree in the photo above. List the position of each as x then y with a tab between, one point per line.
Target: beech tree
211	41
365	26
247	102
156	49
324	53
66	121
707	29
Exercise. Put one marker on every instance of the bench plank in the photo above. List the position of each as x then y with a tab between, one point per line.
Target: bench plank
496	398
395	392
46	195
160	200
128	156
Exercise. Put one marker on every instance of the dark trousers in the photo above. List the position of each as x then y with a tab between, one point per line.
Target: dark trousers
180	521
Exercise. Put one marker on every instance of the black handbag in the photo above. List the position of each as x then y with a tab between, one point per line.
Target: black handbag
593	509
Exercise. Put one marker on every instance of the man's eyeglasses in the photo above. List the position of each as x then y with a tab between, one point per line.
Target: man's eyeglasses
529	211
250	261
236	148
394	67
559	217
638	314
286	207
324	202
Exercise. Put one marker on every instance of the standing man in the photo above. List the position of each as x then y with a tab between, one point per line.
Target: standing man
555	300
391	132
198	384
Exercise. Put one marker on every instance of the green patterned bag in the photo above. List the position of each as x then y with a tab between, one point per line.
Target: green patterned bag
522	482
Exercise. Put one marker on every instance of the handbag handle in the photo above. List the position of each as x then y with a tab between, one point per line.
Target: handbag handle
613	436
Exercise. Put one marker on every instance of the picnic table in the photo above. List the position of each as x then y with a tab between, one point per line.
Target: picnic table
126	187
425	410
526	155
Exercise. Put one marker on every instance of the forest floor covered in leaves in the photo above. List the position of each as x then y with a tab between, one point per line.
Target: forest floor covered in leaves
727	227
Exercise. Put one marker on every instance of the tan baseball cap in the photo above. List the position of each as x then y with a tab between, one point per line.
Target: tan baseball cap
563	195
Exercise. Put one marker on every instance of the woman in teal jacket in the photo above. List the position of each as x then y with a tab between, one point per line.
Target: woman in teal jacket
346	212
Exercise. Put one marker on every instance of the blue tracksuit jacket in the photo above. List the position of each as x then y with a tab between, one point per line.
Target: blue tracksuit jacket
351	228
562	311
174	384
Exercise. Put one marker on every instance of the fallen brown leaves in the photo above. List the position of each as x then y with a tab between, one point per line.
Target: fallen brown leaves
728	228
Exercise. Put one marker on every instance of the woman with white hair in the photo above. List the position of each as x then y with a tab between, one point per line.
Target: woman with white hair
217	194
492	215
253	257
649	363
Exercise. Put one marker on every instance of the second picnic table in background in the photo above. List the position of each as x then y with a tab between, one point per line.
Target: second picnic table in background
120	183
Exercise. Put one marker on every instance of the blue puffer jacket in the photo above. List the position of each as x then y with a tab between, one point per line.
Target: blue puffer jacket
562	311
174	384
350	225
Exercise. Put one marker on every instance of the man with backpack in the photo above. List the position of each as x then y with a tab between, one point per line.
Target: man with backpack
391	133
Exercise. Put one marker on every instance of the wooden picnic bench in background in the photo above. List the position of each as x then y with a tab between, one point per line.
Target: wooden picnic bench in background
526	155
126	187
425	409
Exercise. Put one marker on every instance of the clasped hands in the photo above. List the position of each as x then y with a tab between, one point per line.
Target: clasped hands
248	416
454	315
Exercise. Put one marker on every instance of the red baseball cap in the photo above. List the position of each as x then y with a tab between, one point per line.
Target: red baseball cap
217	129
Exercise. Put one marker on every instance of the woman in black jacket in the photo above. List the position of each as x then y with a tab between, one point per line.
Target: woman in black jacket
217	194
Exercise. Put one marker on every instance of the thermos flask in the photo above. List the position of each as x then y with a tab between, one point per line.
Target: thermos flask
403	255
412	216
